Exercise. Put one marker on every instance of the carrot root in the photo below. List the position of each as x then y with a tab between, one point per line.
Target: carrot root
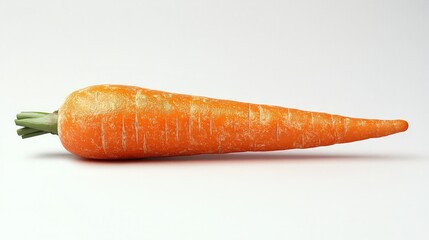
122	122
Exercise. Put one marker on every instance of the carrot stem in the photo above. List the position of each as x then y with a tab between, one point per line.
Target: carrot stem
23	115
36	123
34	134
26	130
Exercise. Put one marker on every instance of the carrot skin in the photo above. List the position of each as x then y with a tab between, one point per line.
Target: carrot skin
121	122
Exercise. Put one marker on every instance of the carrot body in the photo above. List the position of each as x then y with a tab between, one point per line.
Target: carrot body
113	121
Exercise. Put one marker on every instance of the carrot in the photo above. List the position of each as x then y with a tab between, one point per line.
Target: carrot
121	122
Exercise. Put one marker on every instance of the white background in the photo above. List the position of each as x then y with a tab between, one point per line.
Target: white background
357	58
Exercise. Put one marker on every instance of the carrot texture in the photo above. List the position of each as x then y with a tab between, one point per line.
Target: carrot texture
124	122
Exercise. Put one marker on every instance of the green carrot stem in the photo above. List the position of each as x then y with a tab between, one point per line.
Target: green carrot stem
36	123
34	134
23	115
26	130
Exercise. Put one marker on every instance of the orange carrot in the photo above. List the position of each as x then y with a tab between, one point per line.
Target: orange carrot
121	122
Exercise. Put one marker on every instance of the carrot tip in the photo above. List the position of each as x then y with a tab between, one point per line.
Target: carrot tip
402	125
